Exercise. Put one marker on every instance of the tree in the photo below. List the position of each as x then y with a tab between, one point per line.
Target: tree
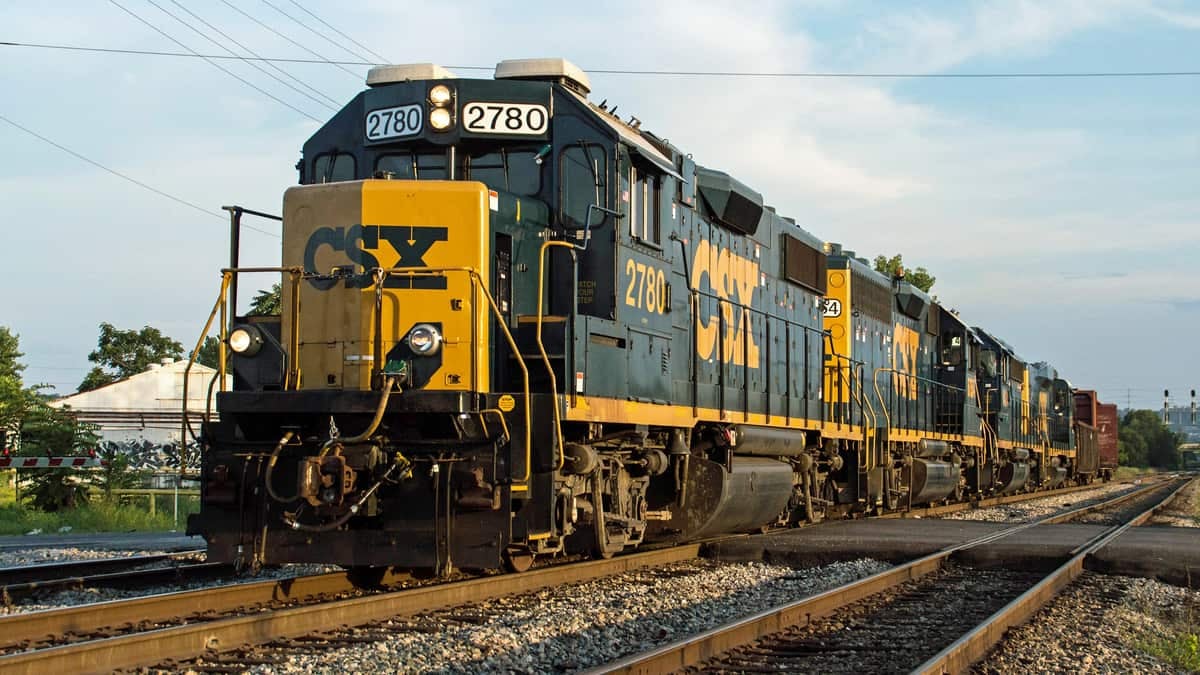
210	352
267	301
122	353
15	398
117	473
1145	441
891	267
49	432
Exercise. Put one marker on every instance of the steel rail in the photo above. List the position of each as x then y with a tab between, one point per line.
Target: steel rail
191	640
703	646
987	502
975	645
26	574
123	579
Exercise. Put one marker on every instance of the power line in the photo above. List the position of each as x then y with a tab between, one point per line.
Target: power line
327	25
249	63
214	64
340	65
647	73
313	30
125	177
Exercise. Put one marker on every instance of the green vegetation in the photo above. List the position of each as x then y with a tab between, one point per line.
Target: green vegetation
98	516
1127	472
894	266
121	353
1145	441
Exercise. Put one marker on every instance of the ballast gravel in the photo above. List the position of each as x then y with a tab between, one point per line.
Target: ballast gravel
1184	510
1033	509
1100	624
48	554
575	626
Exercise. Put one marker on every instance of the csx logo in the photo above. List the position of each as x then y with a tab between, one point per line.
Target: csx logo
360	243
904	360
733	279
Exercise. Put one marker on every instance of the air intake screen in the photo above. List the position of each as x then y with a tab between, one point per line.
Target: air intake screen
803	264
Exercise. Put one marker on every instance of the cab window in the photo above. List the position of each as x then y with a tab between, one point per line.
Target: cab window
513	171
643	205
331	167
582	184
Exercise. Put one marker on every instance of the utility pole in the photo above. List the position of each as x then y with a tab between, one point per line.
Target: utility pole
1193	420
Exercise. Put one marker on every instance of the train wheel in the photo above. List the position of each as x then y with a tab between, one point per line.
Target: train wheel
363	576
518	559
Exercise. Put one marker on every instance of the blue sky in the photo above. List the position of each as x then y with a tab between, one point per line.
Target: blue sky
1062	214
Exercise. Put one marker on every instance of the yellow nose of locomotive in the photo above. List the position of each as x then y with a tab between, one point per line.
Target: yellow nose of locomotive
395	283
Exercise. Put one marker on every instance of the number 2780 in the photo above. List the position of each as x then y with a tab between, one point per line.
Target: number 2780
647	287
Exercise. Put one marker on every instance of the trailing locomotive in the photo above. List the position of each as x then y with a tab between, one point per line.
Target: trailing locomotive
515	325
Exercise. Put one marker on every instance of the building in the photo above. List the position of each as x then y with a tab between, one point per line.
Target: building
142	415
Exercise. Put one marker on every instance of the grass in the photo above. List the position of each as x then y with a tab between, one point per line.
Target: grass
1127	472
131	514
1182	649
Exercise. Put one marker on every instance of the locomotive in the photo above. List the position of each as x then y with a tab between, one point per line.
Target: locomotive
515	325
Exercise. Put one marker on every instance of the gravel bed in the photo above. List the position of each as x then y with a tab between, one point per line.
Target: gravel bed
1032	509
1096	626
570	627
83	596
1184	511
39	555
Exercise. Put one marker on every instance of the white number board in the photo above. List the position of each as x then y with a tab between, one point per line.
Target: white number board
833	308
527	119
402	120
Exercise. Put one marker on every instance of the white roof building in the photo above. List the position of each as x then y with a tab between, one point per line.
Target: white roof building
144	412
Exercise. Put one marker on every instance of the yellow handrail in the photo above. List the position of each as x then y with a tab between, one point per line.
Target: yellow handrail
477	283
546	245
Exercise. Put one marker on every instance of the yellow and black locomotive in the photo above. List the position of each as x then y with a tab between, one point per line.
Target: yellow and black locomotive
515	325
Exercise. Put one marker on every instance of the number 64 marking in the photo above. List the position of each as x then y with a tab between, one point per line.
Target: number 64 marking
647	287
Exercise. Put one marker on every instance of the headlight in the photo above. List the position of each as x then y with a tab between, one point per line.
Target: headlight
440	119
439	95
245	340
424	339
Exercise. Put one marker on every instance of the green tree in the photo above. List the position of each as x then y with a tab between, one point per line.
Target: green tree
1145	441
209	352
122	353
15	399
891	267
53	432
267	301
116	474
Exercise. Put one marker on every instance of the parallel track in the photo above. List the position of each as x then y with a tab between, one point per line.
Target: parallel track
190	640
773	629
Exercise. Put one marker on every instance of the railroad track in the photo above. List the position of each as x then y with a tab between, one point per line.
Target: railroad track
883	622
121	572
188	623
189	640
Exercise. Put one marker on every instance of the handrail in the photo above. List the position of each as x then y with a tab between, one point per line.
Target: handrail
477	283
186	428
546	245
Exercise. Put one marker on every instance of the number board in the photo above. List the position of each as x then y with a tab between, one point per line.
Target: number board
402	120
524	119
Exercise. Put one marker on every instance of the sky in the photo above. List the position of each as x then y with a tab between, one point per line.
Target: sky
1060	213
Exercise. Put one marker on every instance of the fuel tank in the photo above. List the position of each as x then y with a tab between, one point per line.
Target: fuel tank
1013	476
768	441
932	481
717	501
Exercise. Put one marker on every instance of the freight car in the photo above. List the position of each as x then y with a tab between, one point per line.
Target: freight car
1098	420
516	325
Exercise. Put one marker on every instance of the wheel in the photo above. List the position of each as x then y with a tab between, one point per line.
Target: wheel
518	559
363	576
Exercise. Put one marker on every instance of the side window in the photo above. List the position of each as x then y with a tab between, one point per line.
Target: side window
331	168
583	183
398	166
644	205
488	168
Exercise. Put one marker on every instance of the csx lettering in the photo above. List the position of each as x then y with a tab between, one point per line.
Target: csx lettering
733	279
360	243
904	361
